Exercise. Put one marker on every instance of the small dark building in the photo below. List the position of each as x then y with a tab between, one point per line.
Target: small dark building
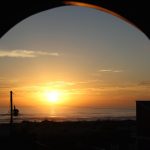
143	125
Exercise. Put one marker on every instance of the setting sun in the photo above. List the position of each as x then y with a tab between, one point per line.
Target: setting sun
53	96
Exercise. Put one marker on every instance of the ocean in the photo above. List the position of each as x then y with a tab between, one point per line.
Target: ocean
64	113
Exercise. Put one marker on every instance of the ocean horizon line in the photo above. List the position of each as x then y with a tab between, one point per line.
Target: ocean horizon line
66	114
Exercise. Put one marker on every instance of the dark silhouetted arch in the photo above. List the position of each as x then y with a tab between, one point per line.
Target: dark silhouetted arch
133	11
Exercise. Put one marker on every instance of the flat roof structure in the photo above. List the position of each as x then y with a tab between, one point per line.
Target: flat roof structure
143	124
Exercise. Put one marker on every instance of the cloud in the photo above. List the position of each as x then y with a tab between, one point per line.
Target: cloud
60	83
2	78
26	53
110	70
144	83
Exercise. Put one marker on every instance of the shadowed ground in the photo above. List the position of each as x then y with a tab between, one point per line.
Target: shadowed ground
81	135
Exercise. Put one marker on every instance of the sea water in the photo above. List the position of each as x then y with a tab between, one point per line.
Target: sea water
66	113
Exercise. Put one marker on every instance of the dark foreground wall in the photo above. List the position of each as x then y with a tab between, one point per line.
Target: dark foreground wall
143	125
134	11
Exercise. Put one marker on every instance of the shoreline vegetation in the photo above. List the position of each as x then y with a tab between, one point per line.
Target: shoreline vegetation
74	135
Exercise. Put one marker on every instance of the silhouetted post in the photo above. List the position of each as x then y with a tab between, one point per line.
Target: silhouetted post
11	111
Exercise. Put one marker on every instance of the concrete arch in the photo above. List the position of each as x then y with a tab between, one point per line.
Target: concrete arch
132	11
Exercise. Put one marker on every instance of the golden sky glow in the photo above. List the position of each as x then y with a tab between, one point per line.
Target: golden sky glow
74	56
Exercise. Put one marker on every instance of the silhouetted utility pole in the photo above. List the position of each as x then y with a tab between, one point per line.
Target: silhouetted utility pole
11	111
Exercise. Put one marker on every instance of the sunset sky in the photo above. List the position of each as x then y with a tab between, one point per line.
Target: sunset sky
74	56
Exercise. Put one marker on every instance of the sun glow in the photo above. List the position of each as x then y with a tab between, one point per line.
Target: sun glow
53	96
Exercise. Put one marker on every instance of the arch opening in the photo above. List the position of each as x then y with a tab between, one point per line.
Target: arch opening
106	71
